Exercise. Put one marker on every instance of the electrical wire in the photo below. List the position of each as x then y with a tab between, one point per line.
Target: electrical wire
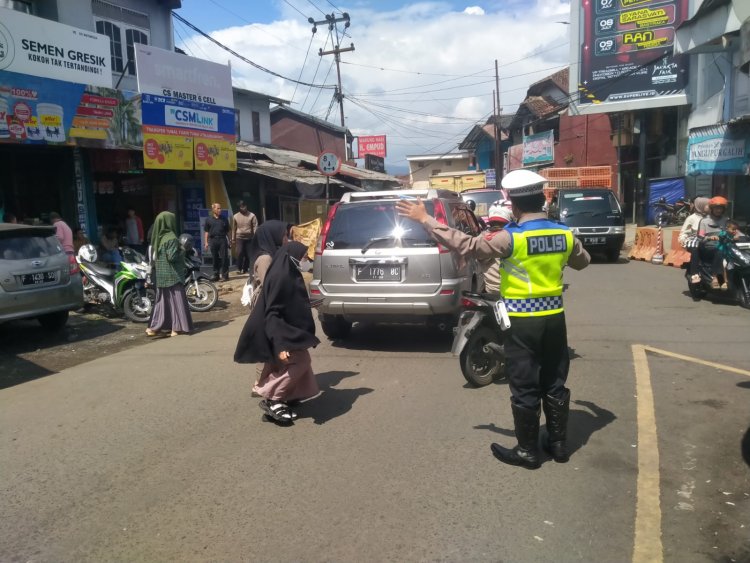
302	69
316	7
295	8
330	67
320	59
245	59
256	25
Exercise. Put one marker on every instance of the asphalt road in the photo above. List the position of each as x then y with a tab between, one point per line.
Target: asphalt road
159	452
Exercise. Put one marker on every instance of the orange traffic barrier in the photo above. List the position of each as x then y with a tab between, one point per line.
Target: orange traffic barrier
677	255
645	244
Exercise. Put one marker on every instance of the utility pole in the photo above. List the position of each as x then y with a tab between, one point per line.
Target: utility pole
332	20
498	132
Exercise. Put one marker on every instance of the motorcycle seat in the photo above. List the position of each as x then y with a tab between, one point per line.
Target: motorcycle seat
100	270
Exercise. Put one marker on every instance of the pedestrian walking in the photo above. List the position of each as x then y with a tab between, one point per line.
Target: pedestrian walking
171	311
534	251
63	232
269	237
279	332
217	240
134	235
244	226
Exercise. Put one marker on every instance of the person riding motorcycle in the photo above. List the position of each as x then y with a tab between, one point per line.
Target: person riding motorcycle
709	228
498	217
688	237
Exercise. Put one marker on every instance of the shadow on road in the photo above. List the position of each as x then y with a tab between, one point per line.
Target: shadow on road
17	370
201	326
331	403
581	424
396	338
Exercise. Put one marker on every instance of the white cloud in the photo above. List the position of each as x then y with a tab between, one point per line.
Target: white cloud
474	11
420	113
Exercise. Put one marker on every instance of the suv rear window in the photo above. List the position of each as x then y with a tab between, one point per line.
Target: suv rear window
28	246
484	200
582	203
356	225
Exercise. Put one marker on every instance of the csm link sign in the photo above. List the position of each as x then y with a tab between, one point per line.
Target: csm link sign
624	51
371	144
40	47
188	111
716	150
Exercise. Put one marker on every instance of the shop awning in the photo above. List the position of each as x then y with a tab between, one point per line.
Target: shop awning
291	174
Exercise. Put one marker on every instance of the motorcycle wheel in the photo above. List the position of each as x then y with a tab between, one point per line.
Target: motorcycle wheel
478	367
202	298
138	308
696	291
743	297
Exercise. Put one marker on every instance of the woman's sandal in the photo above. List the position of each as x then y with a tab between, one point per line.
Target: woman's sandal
150	332
277	410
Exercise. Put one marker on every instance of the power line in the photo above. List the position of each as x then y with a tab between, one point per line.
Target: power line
255	25
315	6
316	73
301	70
295	8
245	59
330	68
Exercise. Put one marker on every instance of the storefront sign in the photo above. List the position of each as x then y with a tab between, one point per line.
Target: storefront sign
539	148
36	110
186	103
169	74
717	150
625	55
374	163
371	144
42	47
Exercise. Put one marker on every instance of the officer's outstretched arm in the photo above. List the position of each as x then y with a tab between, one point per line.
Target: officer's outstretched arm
579	258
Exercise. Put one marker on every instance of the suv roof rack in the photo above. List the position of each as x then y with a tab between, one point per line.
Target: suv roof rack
428	193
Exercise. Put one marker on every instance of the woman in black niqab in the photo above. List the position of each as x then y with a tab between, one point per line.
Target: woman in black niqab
279	332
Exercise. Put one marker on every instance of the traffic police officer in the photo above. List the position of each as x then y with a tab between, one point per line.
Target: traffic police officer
534	251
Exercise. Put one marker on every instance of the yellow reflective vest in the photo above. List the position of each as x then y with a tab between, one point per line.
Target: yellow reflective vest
531	278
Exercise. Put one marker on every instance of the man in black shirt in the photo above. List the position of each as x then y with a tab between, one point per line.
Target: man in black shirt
217	239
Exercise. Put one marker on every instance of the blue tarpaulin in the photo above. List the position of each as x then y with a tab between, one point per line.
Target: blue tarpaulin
671	189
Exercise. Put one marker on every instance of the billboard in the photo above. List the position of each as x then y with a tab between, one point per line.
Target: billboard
45	48
371	144
624	50
374	163
188	111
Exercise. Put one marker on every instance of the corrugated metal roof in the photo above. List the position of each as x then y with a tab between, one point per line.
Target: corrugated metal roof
290	174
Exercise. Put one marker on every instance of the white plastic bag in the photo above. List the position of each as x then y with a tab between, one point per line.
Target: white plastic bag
247	293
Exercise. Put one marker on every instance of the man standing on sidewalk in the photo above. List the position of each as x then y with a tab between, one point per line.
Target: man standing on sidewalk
244	225
216	238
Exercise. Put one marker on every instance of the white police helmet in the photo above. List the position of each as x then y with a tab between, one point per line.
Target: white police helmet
498	213
520	183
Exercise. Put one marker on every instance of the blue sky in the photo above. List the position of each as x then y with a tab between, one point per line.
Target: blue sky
422	72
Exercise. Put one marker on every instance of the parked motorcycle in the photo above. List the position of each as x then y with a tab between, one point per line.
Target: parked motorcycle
478	340
201	293
737	266
126	288
672	213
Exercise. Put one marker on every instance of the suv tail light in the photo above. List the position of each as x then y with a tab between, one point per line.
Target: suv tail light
320	247
441	218
74	269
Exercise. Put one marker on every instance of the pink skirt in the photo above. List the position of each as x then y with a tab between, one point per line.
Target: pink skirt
293	381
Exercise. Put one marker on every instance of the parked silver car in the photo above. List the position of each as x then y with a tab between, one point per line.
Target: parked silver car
37	279
373	265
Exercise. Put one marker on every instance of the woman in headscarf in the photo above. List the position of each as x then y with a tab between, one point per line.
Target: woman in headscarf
267	240
279	332
171	311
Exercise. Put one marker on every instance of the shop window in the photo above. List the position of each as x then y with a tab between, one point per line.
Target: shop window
133	36
256	126
115	42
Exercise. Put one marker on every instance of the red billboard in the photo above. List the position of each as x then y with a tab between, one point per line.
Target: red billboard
371	144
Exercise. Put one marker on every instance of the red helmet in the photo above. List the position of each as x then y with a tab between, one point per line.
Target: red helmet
718	201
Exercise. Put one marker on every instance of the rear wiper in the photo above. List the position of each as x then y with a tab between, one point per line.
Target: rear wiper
374	241
579	213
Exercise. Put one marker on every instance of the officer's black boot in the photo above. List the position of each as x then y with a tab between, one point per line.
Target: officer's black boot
556	415
526	453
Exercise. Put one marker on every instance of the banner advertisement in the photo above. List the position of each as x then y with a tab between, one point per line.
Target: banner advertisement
625	54
173	75
371	144
167	152
193	200
717	150
538	148
211	130
41	47
184	97
37	110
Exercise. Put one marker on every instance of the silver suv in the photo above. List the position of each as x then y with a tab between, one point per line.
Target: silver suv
37	279
373	265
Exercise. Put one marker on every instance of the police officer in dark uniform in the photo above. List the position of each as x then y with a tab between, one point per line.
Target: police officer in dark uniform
216	239
534	251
